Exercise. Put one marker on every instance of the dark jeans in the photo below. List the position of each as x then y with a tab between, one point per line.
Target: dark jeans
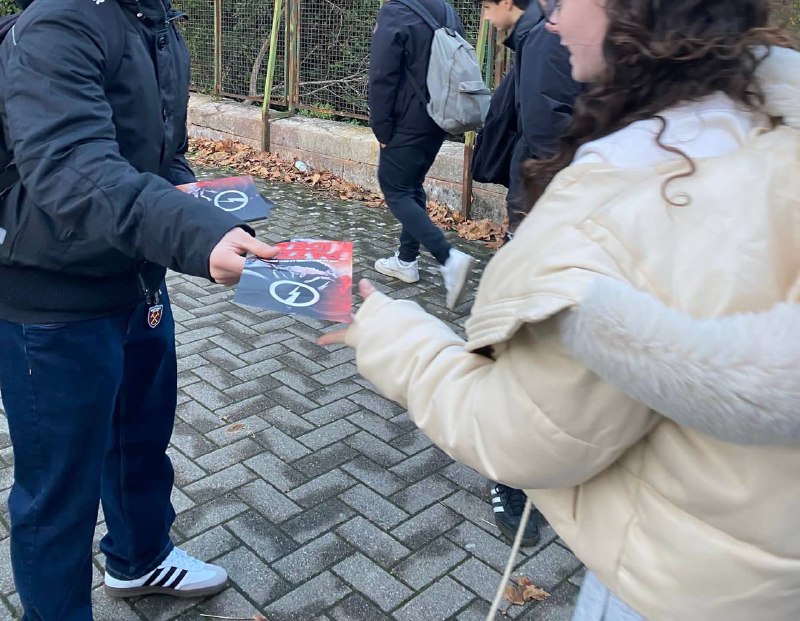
90	406
401	172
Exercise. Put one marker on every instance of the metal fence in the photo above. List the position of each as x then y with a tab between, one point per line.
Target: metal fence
326	69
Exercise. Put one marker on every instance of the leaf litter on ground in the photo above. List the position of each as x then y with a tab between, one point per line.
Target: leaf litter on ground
245	159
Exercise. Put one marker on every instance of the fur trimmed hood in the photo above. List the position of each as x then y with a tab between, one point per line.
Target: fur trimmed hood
736	378
779	76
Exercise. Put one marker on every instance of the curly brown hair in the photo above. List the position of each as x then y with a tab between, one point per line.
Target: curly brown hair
659	54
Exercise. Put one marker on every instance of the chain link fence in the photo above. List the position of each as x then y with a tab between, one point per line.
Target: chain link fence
328	73
229	44
326	68
334	55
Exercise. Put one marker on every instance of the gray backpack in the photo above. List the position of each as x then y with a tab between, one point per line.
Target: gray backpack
459	99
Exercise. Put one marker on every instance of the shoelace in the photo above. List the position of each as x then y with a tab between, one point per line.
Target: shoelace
515	498
180	559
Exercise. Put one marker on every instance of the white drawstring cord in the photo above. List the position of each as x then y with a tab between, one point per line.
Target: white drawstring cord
510	564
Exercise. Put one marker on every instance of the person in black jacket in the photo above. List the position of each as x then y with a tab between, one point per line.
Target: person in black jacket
544	95
544	91
93	106
409	141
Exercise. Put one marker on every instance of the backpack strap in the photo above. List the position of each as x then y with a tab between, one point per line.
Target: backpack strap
422	12
450	16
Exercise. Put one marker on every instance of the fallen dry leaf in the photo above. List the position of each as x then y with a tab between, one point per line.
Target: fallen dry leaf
259	617
534	593
235	427
514	595
524	591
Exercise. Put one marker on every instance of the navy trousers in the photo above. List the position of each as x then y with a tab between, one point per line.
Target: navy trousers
91	407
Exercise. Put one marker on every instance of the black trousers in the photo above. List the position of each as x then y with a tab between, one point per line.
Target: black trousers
401	172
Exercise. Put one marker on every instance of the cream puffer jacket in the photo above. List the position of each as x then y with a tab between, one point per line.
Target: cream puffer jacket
680	526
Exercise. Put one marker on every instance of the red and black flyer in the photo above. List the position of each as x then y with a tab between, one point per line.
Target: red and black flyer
308	277
236	195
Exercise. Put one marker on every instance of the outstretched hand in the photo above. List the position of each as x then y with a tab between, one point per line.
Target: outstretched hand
227	258
366	289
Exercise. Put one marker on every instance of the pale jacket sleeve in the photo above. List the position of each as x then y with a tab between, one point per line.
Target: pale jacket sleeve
531	417
735	378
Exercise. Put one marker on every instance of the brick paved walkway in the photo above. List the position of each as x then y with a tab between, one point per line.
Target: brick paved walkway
320	497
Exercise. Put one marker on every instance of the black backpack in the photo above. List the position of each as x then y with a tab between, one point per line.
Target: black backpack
8	171
494	147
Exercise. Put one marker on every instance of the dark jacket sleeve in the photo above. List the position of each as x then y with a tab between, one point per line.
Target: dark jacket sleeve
180	171
63	137
385	71
546	92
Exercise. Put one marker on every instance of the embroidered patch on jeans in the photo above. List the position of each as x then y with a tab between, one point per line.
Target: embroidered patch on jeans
154	314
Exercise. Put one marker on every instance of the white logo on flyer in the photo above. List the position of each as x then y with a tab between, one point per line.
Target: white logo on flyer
231	200
301	295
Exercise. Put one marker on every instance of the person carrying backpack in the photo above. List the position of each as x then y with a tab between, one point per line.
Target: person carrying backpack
402	112
93	108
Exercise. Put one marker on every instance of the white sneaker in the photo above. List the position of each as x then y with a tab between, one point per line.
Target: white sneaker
402	270
455	272
179	575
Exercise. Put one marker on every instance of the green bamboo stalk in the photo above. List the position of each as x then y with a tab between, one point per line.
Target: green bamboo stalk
480	52
277	10
469	138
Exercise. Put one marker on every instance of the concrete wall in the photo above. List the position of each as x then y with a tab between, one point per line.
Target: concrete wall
348	151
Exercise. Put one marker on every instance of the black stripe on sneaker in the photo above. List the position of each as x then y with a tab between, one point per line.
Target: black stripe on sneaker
153	577
166	577
178	579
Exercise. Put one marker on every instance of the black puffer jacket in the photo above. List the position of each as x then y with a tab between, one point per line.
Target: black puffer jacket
400	51
93	106
546	92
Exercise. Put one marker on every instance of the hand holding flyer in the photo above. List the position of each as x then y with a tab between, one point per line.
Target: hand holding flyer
307	277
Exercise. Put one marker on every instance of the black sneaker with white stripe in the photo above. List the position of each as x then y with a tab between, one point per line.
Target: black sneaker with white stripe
508	504
179	575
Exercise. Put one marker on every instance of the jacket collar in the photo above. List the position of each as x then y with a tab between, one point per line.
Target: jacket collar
524	25
710	127
153	10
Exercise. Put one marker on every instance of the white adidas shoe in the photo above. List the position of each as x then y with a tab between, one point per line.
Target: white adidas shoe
455	272
179	575
407	271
